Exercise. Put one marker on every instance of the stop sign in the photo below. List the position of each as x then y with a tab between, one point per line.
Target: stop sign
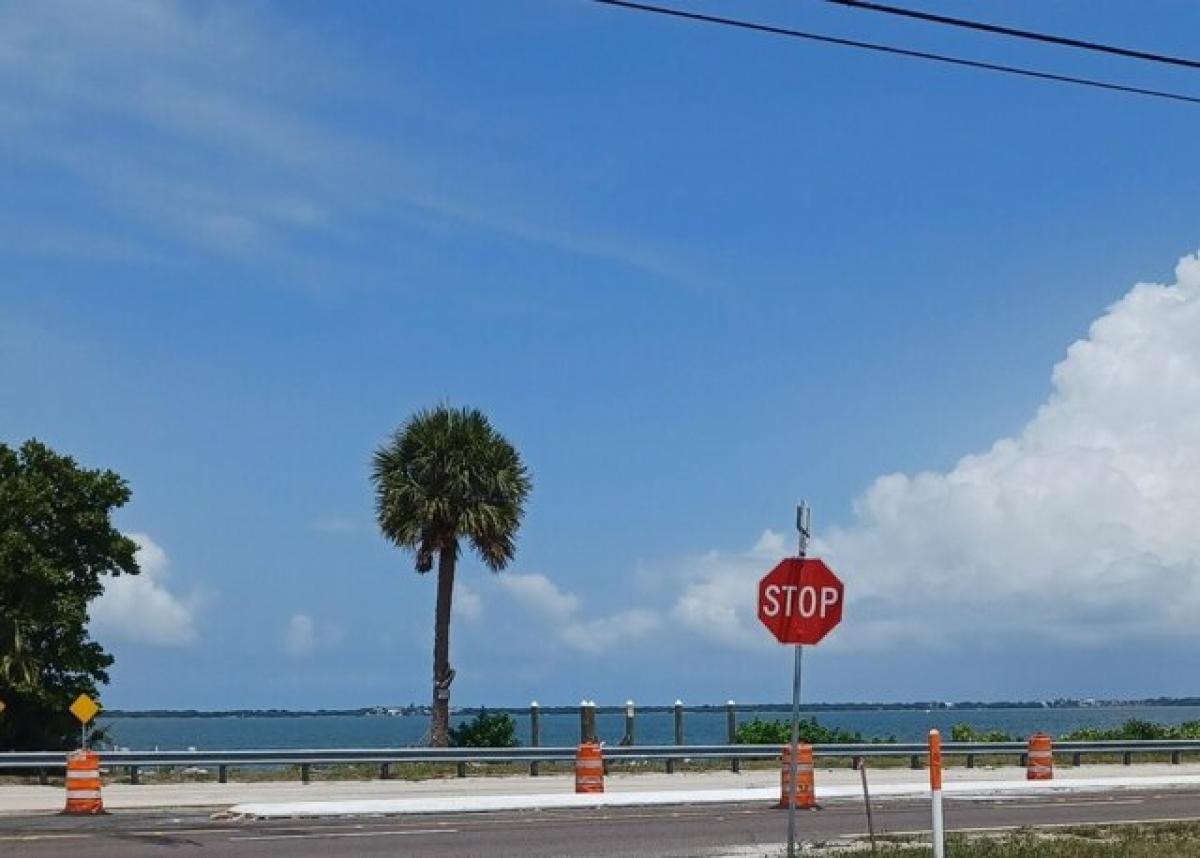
800	600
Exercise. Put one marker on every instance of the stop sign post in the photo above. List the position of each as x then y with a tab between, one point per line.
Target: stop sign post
800	602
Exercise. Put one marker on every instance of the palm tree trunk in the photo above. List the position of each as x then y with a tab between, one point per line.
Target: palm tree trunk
440	726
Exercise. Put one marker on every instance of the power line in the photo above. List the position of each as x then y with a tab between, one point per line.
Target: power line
891	49
998	29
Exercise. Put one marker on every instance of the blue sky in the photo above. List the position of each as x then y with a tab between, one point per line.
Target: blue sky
694	274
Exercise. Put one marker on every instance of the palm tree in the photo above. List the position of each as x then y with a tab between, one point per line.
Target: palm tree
444	478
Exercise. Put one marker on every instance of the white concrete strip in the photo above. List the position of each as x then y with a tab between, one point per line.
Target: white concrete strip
32	838
553	801
407	832
460	804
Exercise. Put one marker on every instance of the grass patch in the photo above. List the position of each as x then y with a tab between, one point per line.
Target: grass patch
1166	840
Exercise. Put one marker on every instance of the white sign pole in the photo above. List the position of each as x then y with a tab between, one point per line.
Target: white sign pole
935	785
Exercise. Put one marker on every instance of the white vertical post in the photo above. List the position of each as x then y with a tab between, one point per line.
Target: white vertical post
935	786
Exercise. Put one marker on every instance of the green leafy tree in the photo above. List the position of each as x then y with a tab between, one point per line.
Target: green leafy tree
57	544
446	478
486	730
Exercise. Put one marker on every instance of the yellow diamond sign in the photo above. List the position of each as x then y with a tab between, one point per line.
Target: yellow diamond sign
84	708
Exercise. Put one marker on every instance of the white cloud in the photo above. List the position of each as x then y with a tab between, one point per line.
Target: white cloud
303	635
562	610
140	608
540	594
1082	528
217	133
605	633
300	636
718	598
467	605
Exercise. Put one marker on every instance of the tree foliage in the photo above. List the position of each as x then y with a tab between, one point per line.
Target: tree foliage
57	544
967	733
444	478
763	732
17	667
1135	729
486	730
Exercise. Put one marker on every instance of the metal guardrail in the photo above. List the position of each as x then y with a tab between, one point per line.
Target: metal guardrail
55	761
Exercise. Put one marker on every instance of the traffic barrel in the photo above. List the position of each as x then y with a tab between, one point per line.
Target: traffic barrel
83	784
805	791
1040	758
589	768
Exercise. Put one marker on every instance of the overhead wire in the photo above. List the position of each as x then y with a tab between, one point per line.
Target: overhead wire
1014	32
877	47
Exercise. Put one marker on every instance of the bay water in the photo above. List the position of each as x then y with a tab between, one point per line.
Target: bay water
562	729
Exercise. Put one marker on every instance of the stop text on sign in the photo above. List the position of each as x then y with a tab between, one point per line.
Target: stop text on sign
806	601
800	600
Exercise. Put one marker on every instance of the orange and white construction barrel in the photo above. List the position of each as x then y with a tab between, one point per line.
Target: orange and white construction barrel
1040	758
589	768
805	788
83	784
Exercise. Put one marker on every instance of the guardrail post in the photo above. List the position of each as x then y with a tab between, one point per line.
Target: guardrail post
1077	759
305	773
222	774
1174	758
1023	762
587	721
970	760
43	778
134	780
678	735
1127	758
735	765
385	771
914	762
535	734
461	770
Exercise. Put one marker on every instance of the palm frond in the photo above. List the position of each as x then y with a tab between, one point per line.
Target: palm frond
447	475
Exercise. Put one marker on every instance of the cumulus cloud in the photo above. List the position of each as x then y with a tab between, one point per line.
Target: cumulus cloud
1081	528
140	608
300	635
718	598
603	634
541	596
304	635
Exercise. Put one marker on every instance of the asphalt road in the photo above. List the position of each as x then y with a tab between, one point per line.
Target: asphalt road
617	833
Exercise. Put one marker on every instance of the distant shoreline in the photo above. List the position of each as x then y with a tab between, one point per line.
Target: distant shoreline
400	711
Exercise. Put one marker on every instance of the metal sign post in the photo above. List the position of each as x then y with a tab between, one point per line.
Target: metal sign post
800	602
804	527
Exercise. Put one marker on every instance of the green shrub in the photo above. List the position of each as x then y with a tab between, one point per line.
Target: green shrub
1135	730
760	732
486	730
967	733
